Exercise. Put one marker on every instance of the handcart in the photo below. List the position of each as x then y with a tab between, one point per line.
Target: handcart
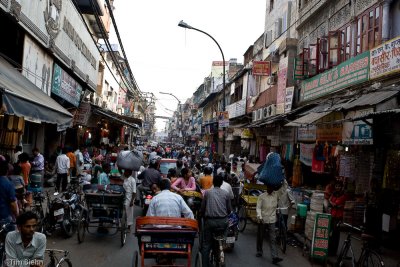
165	238
105	214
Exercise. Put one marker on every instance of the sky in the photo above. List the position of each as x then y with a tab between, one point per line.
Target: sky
167	58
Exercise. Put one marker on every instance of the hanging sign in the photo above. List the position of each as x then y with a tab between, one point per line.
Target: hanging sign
247	134
328	129
82	114
261	68
306	153
307	133
223	119
65	86
320	239
357	132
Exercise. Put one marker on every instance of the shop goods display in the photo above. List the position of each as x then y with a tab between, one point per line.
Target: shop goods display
309	227
354	212
317	201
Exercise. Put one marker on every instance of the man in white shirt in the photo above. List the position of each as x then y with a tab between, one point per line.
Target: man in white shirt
228	188
168	204
62	168
267	203
17	152
79	161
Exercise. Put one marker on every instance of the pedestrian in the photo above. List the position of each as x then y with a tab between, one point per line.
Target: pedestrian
72	162
62	168
215	208
206	182
79	161
38	164
267	203
17	152
25	167
104	175
130	195
336	202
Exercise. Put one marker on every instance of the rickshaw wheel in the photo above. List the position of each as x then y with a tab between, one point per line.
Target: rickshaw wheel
199	260
135	262
81	227
123	229
242	218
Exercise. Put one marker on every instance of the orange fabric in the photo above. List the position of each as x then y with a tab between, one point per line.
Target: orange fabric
26	169
72	159
338	208
206	182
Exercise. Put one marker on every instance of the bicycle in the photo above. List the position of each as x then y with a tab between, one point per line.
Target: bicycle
55	262
368	258
3	232
217	255
281	231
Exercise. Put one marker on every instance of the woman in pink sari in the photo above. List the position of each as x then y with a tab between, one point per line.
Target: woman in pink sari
184	183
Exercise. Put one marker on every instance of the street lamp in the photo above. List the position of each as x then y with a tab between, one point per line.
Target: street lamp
187	26
180	111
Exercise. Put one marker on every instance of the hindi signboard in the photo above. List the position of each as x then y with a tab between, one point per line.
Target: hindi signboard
82	114
350	72
261	68
320	240
65	86
358	132
385	59
223	119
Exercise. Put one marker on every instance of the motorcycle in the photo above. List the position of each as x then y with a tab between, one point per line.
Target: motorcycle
64	211
147	196
232	231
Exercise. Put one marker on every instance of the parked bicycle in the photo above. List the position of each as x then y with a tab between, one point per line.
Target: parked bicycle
281	231
3	233
368	258
55	261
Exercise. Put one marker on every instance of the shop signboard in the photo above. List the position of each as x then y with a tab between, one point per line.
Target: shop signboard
306	153
320	238
237	109
65	86
289	99
282	82
223	119
385	59
358	132
82	114
328	128
247	134
350	72
261	68
37	65
307	133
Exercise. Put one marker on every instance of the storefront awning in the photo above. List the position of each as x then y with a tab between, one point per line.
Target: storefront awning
370	99
102	112
308	119
22	98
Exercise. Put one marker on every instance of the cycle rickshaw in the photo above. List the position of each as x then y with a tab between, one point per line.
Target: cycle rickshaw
165	238
105	213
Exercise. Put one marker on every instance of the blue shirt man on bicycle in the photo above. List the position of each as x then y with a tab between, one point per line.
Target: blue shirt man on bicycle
215	208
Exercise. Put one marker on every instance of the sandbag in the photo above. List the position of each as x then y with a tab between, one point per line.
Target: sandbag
130	160
272	172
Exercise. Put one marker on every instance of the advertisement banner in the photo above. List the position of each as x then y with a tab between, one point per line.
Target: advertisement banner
82	114
307	133
282	81
289	99
350	72
385	59
358	132
328	130
247	134
65	86
306	153
223	119
261	68
320	239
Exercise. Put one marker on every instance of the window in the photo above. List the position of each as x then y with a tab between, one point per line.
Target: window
333	53
237	94
369	29
345	43
323	54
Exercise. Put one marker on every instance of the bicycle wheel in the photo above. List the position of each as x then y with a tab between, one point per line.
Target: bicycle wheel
371	259
343	256
123	229
81	227
282	237
199	260
242	213
64	263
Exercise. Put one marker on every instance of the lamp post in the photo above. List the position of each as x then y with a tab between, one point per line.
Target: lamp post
187	26
180	112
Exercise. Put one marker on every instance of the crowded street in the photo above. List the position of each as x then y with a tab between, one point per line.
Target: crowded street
199	133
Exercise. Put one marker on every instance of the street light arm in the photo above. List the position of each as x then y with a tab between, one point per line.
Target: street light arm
171	95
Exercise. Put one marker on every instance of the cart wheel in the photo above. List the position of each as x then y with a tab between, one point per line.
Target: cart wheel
199	260
123	229
81	227
242	218
135	262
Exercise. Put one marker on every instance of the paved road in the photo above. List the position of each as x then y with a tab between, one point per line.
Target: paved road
105	251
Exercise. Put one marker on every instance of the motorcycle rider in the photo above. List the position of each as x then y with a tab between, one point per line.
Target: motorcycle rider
150	176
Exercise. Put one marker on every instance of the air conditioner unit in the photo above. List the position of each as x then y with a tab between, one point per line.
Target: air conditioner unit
259	114
269	111
97	101
254	115
272	80
109	93
104	104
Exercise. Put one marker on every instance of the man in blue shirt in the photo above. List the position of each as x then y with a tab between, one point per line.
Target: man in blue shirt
8	201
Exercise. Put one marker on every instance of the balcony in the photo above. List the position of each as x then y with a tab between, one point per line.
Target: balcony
309	8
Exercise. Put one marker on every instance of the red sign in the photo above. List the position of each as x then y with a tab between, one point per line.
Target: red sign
261	68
